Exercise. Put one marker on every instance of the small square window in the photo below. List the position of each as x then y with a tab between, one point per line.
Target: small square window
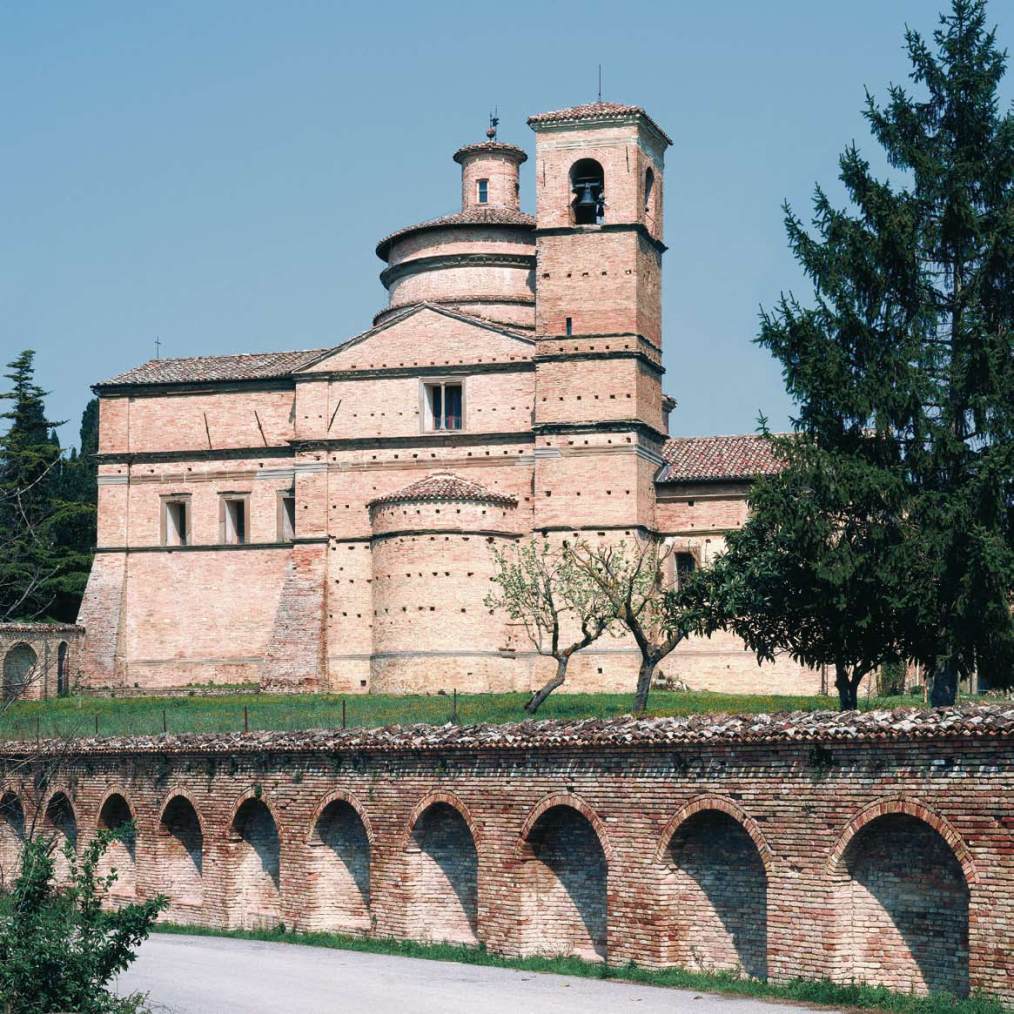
233	519
176	522
444	403
482	191
286	517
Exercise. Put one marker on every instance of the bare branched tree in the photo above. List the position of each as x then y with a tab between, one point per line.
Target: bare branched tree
636	580
559	605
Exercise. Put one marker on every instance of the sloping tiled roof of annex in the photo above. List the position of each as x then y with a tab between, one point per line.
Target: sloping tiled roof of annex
903	725
445	486
491	215
210	369
595	111
712	459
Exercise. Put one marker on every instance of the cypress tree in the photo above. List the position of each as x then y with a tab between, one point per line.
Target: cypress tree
902	371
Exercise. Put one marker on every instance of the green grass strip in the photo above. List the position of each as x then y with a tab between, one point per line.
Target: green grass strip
146	716
811	991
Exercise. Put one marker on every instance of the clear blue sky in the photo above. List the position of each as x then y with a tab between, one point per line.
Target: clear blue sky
218	173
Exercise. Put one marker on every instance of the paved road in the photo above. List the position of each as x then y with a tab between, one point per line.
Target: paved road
209	975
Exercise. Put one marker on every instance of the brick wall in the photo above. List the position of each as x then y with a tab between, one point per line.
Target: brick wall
875	847
39	660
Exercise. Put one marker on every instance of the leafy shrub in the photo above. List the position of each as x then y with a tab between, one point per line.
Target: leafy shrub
58	947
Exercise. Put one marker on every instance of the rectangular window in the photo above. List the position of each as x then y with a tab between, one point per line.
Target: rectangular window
286	517
233	520
443	405
176	522
685	566
482	190
569	325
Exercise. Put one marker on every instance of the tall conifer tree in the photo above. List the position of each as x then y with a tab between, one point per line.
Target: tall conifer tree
902	370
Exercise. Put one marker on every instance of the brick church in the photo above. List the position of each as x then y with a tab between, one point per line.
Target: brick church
322	519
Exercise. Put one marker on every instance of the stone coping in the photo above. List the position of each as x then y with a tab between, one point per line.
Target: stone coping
41	628
974	721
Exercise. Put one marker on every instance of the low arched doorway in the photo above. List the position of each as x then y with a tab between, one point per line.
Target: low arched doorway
339	854
60	827
121	855
181	860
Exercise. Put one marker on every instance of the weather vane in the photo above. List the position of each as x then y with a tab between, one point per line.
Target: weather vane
494	121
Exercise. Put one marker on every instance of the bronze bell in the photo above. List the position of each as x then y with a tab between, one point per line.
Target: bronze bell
586	195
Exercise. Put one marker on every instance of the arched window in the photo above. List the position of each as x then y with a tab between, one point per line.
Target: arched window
649	189
62	683
587	184
19	670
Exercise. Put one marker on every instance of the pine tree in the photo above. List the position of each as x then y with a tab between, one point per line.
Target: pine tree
903	366
34	568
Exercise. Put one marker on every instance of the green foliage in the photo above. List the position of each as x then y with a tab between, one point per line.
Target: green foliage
46	506
58	948
902	369
810	991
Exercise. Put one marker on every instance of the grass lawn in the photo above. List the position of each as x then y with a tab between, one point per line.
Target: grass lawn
77	716
800	990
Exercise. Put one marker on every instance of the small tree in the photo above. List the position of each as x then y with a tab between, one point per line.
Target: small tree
59	949
634	581
816	570
561	608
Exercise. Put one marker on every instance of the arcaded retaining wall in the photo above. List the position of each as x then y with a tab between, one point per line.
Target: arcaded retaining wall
876	847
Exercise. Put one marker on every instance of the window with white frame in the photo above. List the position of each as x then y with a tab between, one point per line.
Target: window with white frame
443	405
286	516
175	521
233	519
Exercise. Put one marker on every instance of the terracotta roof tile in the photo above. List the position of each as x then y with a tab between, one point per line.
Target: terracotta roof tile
709	459
489	148
445	486
203	369
491	215
595	111
903	725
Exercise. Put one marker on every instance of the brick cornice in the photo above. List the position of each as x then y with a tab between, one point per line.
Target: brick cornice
445	439
521	365
442	262
198	454
608	227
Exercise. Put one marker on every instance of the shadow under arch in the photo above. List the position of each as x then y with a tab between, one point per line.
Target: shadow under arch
902	877
715	867
180	851
442	871
59	825
12	836
254	856
339	842
563	857
115	814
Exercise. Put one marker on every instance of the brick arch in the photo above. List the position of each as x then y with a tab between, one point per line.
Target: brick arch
341	796
724	805
449	799
178	791
911	808
47	801
117	790
260	798
574	802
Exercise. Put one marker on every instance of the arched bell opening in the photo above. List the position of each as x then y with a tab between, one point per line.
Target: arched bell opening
588	197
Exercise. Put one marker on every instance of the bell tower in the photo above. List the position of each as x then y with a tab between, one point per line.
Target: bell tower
599	173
